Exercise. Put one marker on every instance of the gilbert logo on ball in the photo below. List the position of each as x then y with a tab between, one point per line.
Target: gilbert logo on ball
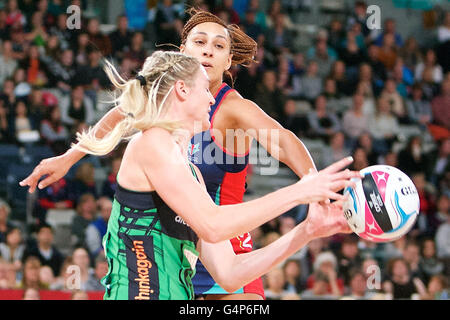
384	204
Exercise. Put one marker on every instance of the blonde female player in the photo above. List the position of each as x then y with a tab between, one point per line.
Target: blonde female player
217	46
163	217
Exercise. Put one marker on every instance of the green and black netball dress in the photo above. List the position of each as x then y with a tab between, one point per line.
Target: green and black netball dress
150	250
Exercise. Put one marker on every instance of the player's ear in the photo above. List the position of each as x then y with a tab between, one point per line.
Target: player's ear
181	90
182	48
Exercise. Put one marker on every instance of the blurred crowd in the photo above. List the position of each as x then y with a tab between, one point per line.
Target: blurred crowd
353	91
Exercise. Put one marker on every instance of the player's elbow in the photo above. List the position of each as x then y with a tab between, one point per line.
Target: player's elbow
208	232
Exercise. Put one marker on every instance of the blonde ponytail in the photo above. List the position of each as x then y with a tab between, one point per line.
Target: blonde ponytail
142	100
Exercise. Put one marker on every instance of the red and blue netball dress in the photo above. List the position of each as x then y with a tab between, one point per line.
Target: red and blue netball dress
224	173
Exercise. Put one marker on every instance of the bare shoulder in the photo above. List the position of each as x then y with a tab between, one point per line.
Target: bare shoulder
235	106
155	141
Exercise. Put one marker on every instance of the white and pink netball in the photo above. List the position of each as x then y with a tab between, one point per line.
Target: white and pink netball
383	206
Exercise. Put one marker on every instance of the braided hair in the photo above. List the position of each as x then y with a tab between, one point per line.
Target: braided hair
142	100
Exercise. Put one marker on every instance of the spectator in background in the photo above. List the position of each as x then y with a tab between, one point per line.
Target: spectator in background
278	38
354	121
120	38
86	209
268	96
22	124
81	49
62	72
427	214
100	270
411	255
389	29
366	87
395	100
56	196
442	239
430	88
168	24
53	133
227	7
351	52
35	68
400	284
326	266
343	84
348	258
46	276
360	159
60	30
383	127
254	5
136	52
84	180
387	53
378	68
429	263
411	158
45	250
311	83
411	53
92	76
276	282
7	96
323	124
110	184
440	107
357	288
335	33
438	163
359	16
7	275
324	55
97	229
419	109
7	62
403	77
251	26
15	18
80	258
64	279
97	38
36	32
5	223
365	142
13	249
247	80
336	149
30	277
429	61
292	274
437	289
79	110
292	121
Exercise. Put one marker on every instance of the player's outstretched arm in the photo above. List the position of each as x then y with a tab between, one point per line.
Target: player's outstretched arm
175	184
233	271
57	167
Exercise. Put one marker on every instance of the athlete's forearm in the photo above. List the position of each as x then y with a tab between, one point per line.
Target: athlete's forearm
294	153
103	126
249	266
232	220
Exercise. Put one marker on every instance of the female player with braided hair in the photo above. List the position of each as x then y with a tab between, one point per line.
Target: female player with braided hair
217	46
163	218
